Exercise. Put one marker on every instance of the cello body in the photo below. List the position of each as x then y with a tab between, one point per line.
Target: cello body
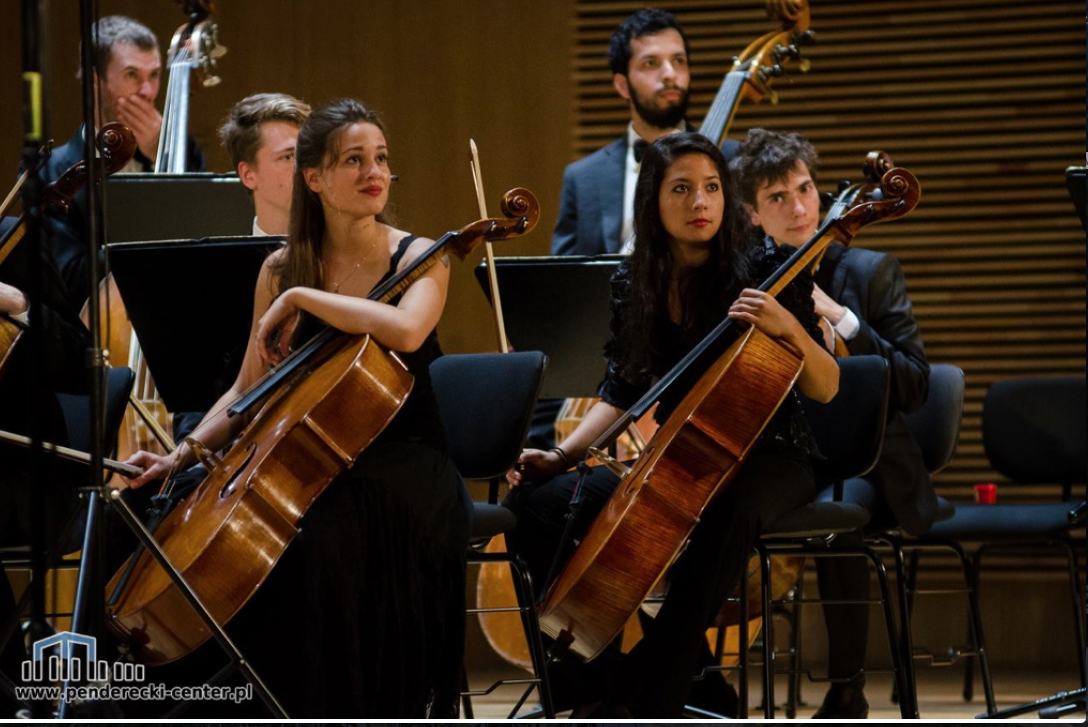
643	527
228	534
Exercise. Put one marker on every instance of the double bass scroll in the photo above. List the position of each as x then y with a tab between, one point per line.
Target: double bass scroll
194	48
761	62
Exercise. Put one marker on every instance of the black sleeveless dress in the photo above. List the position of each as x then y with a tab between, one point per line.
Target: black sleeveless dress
363	617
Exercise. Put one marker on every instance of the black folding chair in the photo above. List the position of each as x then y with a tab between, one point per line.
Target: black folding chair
487	403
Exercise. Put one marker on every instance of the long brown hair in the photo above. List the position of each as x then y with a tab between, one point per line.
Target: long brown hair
706	291
317	147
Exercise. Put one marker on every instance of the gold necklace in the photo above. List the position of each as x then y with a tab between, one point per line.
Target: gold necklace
336	286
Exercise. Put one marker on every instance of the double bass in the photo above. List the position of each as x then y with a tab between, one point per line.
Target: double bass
194	50
227	535
694	454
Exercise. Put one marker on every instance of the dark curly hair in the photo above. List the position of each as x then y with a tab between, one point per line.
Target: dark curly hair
636	25
706	292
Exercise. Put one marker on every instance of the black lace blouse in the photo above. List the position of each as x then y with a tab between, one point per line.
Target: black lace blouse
788	429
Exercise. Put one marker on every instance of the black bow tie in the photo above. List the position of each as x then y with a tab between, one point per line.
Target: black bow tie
640	149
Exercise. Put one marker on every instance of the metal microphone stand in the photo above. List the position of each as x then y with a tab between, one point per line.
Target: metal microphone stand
32	195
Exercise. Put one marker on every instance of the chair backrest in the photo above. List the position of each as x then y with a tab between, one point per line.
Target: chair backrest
77	410
936	425
1033	429
486	401
849	429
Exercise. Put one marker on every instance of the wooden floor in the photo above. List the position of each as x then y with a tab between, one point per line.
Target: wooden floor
939	691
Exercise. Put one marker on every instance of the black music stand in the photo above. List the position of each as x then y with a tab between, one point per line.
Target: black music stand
141	207
558	305
191	305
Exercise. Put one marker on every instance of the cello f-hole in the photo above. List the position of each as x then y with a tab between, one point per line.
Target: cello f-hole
228	488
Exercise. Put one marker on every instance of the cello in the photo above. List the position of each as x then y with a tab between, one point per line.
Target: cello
694	454
227	535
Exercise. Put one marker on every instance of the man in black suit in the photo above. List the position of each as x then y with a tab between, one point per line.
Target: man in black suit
863	296
128	72
648	55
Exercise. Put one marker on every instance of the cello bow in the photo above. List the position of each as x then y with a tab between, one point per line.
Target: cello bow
489	253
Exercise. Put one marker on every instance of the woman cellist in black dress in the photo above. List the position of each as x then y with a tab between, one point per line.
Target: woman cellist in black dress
687	273
364	614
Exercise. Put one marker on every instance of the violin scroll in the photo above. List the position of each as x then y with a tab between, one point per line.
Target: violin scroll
117	144
519	202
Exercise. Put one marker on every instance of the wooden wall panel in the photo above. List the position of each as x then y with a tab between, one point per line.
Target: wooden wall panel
984	100
438	73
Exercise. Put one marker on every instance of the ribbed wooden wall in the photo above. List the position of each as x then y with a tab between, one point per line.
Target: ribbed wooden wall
984	100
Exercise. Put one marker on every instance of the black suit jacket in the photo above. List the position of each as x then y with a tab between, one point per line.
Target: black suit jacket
871	284
591	203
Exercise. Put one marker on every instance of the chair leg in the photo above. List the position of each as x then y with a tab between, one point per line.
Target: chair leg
902	659
908	693
742	647
793	696
969	664
976	623
532	631
466	698
768	634
523	589
1078	610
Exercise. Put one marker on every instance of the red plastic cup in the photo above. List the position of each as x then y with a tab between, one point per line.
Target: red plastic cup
986	494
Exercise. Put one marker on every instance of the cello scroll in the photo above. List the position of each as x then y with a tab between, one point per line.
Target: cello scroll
521	212
117	144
